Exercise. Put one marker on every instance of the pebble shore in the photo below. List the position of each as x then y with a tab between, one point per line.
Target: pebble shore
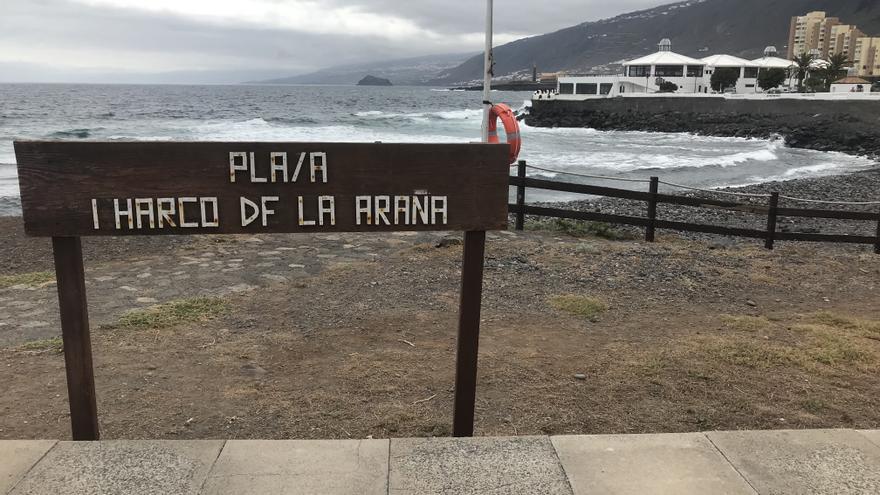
855	187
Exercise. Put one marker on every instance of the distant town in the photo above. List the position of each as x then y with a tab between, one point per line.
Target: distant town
825	58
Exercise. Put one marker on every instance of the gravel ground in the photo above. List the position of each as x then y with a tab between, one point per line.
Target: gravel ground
23	254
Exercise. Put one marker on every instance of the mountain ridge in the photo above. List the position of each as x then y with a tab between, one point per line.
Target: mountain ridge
404	71
697	28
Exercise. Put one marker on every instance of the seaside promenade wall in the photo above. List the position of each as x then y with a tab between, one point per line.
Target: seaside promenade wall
850	126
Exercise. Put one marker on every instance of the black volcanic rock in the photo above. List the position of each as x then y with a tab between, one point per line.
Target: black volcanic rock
374	81
806	128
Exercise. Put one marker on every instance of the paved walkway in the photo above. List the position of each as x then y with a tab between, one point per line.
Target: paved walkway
777	462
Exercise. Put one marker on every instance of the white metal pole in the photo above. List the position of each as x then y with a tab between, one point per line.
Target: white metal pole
487	77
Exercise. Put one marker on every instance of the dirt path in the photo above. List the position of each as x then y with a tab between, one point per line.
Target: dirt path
353	335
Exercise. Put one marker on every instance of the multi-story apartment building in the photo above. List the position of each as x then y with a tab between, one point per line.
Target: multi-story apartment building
811	32
866	57
842	40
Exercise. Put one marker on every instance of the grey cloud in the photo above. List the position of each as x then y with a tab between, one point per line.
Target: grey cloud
31	30
519	16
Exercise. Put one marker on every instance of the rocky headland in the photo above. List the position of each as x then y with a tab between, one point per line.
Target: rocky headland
851	127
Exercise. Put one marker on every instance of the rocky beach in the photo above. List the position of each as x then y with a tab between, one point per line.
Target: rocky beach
860	187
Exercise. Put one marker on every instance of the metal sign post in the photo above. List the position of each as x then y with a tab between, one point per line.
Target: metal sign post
472	284
488	62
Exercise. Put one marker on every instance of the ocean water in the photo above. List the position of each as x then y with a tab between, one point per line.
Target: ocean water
395	114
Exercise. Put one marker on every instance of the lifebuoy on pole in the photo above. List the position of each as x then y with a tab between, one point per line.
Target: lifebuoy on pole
511	128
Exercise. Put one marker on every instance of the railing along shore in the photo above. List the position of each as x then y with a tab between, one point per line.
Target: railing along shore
652	197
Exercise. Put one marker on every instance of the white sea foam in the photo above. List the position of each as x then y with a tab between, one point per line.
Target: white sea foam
8	180
443	115
260	130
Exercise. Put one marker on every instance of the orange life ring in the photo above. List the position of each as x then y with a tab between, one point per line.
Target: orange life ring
511	128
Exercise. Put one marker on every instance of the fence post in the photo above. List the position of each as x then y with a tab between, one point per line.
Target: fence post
520	195
877	244
652	209
771	220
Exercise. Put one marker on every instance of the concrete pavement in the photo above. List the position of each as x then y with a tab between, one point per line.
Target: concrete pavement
748	462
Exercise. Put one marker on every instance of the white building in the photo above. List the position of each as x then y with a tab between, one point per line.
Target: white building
746	69
771	61
643	75
690	76
851	84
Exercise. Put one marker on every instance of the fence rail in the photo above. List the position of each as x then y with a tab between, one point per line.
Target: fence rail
653	197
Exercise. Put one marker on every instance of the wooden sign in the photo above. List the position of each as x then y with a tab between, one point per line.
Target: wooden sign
156	188
75	189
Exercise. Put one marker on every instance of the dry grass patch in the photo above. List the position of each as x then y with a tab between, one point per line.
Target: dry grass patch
54	344
832	347
580	229
32	279
588	307
173	313
861	326
752	353
745	323
826	343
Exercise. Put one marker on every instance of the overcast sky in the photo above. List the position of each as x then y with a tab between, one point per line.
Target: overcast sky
72	39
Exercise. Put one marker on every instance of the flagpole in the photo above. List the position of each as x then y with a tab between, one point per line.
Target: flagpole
487	76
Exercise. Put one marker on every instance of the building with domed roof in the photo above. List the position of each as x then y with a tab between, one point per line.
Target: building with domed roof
670	73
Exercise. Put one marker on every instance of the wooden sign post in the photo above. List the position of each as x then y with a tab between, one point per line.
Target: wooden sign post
75	189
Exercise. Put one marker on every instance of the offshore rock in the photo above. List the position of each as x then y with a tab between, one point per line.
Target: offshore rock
374	81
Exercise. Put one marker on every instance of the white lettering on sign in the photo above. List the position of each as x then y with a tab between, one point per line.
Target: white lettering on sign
364	208
166	208
181	208
123	213
301	212
420	208
278	163
144	206
316	167
248	218
401	206
192	212
215	212
299	166
161	213
438	207
327	207
251	210
408	210
383	206
95	214
240	161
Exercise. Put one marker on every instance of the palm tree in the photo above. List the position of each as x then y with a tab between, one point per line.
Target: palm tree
802	69
836	68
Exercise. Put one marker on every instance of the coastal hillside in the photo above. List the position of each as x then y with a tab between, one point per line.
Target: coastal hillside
408	71
737	27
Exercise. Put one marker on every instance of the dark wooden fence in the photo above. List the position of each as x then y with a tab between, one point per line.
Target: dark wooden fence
652	197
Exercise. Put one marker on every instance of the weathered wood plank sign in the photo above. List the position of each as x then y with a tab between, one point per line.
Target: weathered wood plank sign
75	189
153	188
